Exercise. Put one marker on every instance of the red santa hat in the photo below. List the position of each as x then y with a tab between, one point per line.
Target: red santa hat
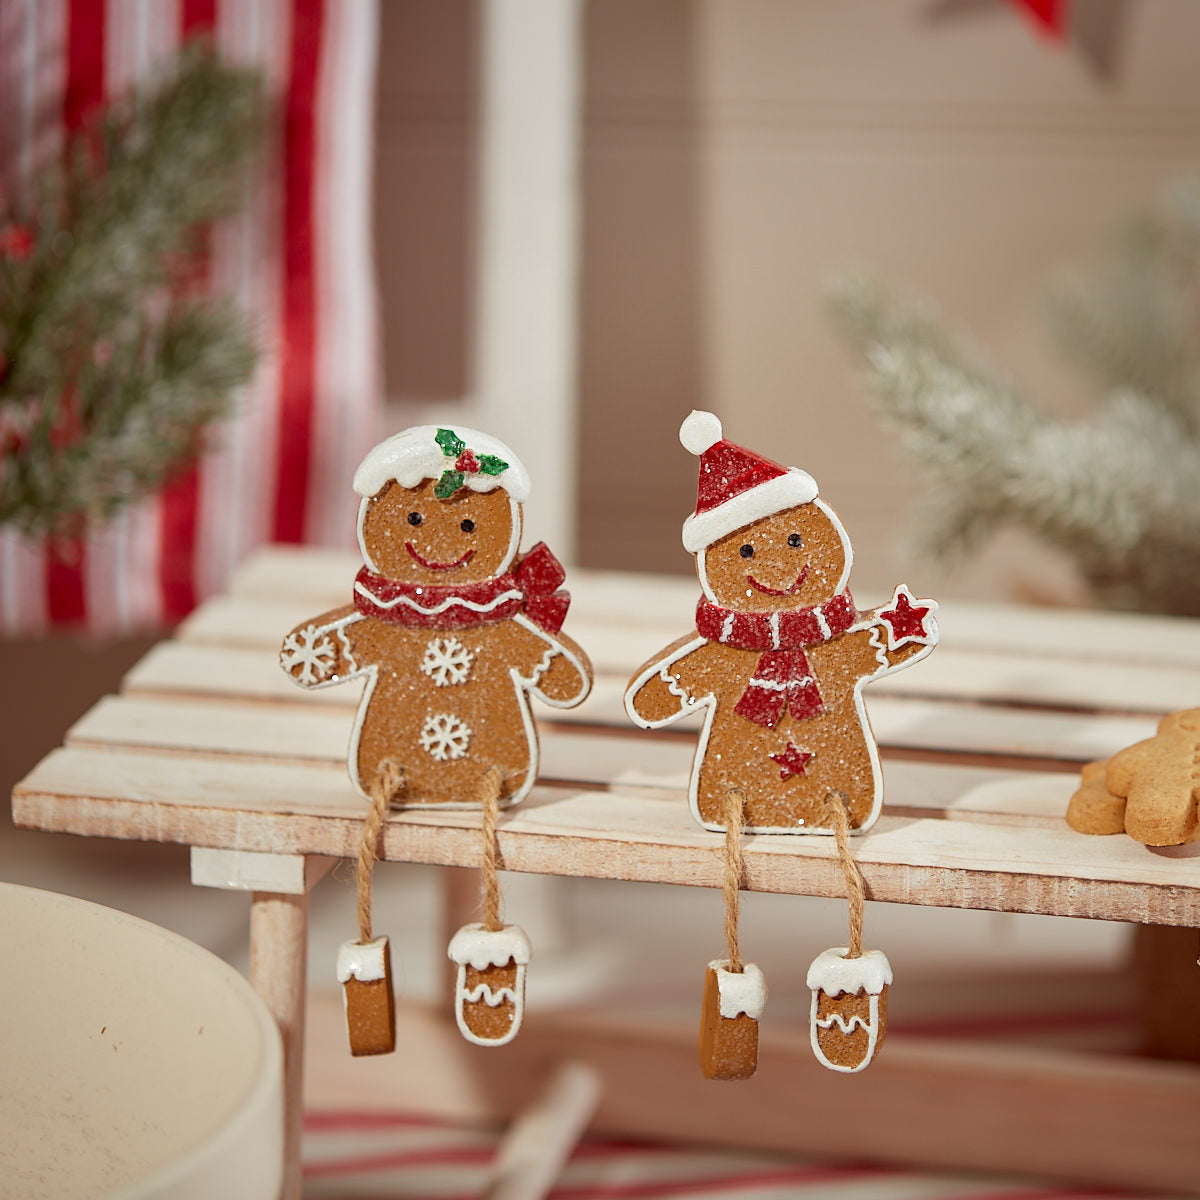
737	487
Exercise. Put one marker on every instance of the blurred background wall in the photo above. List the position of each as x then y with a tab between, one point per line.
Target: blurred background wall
739	153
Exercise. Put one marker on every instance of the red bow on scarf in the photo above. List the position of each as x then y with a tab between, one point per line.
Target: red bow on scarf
781	678
533	588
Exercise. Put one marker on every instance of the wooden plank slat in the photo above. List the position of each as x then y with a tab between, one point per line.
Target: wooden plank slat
238	730
949	674
623	833
174	668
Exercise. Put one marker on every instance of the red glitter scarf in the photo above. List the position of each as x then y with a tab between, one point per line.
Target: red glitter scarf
533	588
782	678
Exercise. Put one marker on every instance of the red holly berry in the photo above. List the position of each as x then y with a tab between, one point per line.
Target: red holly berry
16	241
467	462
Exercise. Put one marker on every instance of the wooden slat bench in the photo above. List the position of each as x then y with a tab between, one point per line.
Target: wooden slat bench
210	745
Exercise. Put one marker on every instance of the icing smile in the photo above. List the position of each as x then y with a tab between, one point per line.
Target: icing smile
788	591
437	566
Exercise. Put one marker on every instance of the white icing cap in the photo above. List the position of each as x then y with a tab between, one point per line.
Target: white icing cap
480	947
833	973
415	454
364	961
744	992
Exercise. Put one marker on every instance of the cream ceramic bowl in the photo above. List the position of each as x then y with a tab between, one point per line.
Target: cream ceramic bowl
133	1064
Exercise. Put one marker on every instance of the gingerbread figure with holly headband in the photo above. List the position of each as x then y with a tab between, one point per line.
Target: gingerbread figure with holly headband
453	631
779	655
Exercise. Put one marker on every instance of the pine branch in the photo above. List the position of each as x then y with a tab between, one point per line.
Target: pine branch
1116	491
107	374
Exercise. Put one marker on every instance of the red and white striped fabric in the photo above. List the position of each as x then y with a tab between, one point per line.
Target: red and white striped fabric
298	260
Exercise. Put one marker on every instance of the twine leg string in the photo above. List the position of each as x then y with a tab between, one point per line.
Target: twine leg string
388	784
489	799
840	815
735	869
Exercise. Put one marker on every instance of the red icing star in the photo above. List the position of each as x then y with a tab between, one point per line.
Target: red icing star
907	620
792	761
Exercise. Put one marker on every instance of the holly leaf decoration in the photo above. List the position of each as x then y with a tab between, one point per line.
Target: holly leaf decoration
491	464
452	446
448	484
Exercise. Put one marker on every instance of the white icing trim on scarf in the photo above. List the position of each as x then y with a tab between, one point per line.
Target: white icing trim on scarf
438	609
774	685
822	624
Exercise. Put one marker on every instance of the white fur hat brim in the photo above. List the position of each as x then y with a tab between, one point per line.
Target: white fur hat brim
413	455
773	495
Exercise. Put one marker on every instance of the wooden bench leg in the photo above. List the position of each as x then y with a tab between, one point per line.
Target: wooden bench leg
280	884
278	973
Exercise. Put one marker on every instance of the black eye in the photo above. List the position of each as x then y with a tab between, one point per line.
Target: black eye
794	539
468	526
747	551
414	518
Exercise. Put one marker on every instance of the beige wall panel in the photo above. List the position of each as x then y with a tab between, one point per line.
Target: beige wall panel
737	154
969	159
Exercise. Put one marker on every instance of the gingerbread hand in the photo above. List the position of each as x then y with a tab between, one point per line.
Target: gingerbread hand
317	652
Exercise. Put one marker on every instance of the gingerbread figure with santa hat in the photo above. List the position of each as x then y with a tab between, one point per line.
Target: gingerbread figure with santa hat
779	655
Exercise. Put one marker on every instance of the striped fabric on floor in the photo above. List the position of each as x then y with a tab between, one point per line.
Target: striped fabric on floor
391	1156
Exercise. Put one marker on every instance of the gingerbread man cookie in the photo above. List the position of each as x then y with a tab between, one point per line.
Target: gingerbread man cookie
451	628
780	654
1148	790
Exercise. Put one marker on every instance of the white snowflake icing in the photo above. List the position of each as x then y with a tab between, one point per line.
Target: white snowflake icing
310	650
447	661
445	737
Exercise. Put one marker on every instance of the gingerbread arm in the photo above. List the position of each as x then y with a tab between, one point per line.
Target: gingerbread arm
559	673
670	685
319	652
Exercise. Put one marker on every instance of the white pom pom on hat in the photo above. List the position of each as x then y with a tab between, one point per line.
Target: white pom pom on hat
736	486
700	431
